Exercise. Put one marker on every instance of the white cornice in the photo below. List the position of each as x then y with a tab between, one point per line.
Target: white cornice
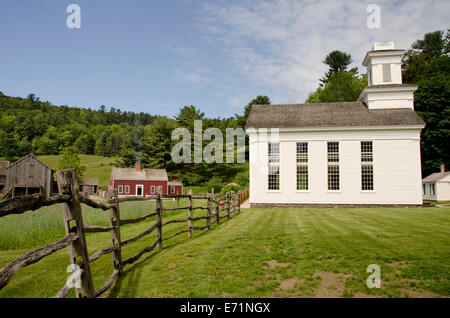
342	128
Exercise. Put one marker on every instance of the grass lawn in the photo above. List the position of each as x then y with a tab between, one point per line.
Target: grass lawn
259	253
86	160
96	166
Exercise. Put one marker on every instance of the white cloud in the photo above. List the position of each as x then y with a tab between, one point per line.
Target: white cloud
199	76
279	45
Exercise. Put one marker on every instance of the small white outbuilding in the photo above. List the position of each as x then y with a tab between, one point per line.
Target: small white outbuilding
436	187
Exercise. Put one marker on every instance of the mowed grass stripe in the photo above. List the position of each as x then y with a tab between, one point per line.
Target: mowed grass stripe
233	259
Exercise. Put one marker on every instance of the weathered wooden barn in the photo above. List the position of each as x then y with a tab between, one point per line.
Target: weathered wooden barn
3	173
29	175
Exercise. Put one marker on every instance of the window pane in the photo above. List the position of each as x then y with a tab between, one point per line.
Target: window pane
274	153
302	152
302	177
274	178
367	177
366	151
333	152
333	177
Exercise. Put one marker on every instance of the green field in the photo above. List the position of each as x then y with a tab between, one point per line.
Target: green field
258	253
96	166
89	161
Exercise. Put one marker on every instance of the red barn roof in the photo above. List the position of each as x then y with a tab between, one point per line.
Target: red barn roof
134	174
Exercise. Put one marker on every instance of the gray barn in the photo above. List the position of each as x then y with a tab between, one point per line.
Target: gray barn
29	175
89	186
3	174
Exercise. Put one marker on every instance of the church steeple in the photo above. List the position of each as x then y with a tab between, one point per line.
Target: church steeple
384	73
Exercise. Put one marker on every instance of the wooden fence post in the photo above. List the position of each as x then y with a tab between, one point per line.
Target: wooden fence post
217	209
71	211
190	214
239	201
159	208
114	221
233	203
208	210
228	204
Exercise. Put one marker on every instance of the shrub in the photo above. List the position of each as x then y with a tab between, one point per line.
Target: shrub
215	182
230	187
192	179
242	178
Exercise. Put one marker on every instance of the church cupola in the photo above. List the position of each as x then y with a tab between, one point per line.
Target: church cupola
384	74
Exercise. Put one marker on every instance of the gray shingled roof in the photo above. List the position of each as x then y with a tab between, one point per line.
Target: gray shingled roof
175	183
134	174
328	115
90	181
437	176
31	155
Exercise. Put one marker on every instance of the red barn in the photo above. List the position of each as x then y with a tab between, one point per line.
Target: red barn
175	187
141	182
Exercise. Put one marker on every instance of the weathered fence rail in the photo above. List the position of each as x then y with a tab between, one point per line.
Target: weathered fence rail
76	229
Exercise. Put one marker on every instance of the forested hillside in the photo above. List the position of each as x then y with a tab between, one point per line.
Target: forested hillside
29	124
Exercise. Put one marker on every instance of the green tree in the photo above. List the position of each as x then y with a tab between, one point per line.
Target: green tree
340	87
8	137
337	61
187	115
157	143
215	183
70	159
432	103
259	100
415	61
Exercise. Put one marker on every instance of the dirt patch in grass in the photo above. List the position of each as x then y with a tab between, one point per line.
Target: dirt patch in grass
364	295
417	293
172	266
274	263
332	285
289	283
402	264
410	288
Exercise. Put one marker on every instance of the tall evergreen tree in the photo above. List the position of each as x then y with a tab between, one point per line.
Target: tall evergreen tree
337	61
259	100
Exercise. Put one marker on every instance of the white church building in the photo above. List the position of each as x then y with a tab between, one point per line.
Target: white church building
359	153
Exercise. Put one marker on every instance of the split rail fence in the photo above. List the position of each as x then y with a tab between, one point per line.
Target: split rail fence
76	230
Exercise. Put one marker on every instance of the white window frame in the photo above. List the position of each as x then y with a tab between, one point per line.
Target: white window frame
120	189
273	164
172	189
127	189
159	188
367	179
140	186
152	189
302	164
333	165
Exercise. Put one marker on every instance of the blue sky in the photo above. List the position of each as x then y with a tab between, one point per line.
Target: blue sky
157	56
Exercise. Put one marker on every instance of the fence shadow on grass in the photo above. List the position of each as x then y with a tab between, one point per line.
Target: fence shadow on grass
76	230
